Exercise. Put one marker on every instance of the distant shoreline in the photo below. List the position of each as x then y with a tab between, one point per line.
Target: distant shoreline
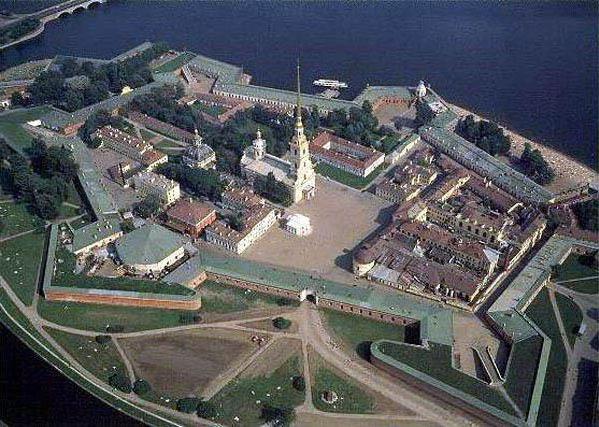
568	170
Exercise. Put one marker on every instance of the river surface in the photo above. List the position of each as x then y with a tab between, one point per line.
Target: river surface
532	67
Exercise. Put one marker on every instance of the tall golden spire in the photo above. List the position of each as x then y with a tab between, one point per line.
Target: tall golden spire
298	107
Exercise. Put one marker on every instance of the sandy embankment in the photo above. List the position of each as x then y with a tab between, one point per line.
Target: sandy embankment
568	172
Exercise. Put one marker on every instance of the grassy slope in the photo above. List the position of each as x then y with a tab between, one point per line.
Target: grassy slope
102	360
175	63
541	312
356	330
572	268
96	317
20	259
17	219
220	298
236	398
11	129
589	286
571	316
522	371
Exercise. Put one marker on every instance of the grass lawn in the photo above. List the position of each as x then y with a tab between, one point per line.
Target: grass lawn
588	286
347	178
389	142
80	222
64	276
11	129
436	362
146	135
244	398
220	298
167	146
541	312
73	197
67	211
175	63
212	110
571	316
352	398
17	219
102	360
358	332
95	317
574	267
522	371
20	259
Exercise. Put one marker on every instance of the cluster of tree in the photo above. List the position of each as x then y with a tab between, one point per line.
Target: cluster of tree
587	214
149	206
98	81
277	416
199	182
120	382
281	322
162	104
486	135
141	387
423	113
236	221
43	184
203	408
96	121
273	190
360	125
19	29
535	166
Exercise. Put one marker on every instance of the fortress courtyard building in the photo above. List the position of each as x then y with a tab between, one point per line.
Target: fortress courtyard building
150	249
297	174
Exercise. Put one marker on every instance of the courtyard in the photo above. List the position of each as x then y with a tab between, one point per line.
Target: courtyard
341	218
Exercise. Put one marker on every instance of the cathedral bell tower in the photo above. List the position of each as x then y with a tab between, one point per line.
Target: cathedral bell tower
301	169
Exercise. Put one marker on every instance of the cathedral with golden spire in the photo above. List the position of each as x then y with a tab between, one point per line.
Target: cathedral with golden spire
296	173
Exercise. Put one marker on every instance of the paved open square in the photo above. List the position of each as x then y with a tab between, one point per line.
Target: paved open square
341	218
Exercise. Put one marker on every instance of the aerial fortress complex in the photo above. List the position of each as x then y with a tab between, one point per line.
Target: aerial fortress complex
199	191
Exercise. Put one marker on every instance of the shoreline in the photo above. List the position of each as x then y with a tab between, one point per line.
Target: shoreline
569	172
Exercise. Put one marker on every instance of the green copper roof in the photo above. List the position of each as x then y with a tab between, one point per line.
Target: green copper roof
94	232
149	244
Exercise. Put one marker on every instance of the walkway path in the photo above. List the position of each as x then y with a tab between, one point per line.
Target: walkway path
559	282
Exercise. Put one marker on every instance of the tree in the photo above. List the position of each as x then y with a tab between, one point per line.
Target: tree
205	409
535	166
299	383
587	214
16	99
281	323
141	387
188	404
120	382
149	206
103	339
272	189
282	416
236	221
486	135
197	181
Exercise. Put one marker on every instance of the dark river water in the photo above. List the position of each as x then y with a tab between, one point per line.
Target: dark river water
530	66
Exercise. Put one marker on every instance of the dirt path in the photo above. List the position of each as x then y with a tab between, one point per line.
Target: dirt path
560	323
126	361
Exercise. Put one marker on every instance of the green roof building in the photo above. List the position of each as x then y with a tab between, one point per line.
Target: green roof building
150	249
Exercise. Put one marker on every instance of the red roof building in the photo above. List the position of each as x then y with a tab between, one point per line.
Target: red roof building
190	217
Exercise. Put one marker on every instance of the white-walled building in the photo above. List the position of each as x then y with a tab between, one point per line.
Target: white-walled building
298	224
167	190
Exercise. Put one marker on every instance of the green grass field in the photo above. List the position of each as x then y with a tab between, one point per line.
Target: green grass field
357	332
571	316
20	259
541	312
237	400
95	317
588	286
175	63
522	371
347	178
168	146
16	219
80	222
220	298
575	268
11	129
102	360
352	398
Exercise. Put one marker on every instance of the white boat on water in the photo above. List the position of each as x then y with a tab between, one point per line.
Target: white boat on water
335	84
